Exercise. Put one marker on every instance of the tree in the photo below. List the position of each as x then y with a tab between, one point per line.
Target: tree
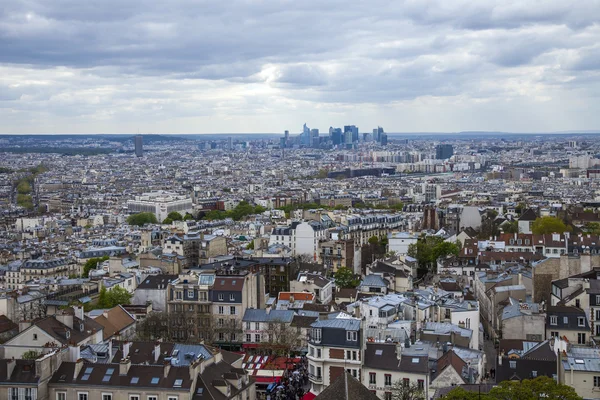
259	209
31	355
547	225
23	187
142	219
533	389
428	249
401	391
542	387
188	217
592	228
167	221
250	245
282	339
510	227
113	297
175	216
91	264
345	278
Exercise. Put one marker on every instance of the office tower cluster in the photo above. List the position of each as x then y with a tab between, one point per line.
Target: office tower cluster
348	137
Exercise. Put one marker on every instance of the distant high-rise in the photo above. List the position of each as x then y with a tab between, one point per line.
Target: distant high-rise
383	139
353	129
230	143
444	151
139	145
336	136
377	134
305	136
314	137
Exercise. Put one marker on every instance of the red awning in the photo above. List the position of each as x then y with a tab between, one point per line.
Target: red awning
309	396
266	379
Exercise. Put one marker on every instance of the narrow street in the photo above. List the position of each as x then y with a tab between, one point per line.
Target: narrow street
491	357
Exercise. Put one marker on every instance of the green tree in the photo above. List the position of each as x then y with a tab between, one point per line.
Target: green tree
259	209
400	391
167	221
345	278
31	355
23	187
113	297
592	228
547	225
142	219
188	217
175	216
533	389
510	227
428	249
250	245
91	264
102	298
542	387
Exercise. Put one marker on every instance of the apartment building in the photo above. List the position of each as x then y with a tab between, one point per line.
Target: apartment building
334	346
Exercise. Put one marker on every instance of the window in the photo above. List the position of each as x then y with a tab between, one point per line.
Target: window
553	320
352	336
316	335
318	353
221	297
152	398
248	338
61	396
82	396
577	303
565	320
232	310
190	294
534	374
421	384
319	372
231	297
178	295
513	364
406	382
203	296
354	355
257	338
387	395
35	336
580	321
387	380
372	378
247	325
106	396
257	326
597	299
597	381
581	338
221	322
554	334
221	310
172	398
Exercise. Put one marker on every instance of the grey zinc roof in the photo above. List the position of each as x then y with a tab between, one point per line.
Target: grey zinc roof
261	315
347	324
373	280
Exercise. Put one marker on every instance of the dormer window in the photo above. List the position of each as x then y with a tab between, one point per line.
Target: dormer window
352	336
81	327
316	335
553	320
68	334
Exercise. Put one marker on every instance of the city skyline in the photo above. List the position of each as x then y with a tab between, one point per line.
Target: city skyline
493	66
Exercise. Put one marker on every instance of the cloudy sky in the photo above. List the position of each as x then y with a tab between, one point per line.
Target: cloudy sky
194	66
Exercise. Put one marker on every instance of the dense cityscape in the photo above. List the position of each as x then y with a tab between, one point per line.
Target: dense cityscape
299	266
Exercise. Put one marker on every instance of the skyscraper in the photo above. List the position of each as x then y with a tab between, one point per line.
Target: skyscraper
353	129
444	151
139	145
305	136
336	136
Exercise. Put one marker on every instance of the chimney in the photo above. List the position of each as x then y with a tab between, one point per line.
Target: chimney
65	319
399	351
79	312
156	351
124	366
74	353
500	355
126	347
10	366
78	367
24	325
166	369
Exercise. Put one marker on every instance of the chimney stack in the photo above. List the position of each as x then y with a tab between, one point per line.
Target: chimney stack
126	347
77	369
166	369
74	352
124	366
156	351
10	366
79	312
399	351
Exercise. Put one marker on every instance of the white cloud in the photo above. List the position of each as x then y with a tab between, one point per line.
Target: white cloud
248	66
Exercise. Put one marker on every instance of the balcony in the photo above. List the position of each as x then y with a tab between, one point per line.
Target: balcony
315	378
